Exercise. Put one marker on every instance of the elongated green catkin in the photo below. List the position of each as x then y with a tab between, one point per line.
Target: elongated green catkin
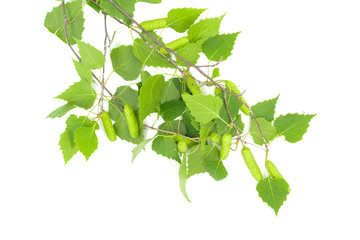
251	164
232	87
225	146
176	44
193	86
216	138
182	146
131	121
108	126
154	24
272	170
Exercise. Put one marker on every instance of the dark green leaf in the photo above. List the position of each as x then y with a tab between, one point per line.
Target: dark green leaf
122	130
265	109
173	126
267	129
166	146
170	92
171	110
123	93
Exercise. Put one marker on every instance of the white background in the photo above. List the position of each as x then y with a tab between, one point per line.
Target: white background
308	51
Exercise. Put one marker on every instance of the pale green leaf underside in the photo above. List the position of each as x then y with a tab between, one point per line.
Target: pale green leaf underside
54	21
203	107
125	63
137	149
170	92
273	192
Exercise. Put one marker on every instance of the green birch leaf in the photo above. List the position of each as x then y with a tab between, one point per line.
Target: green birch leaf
86	140
204	29
54	21
183	178
292	126
150	95
80	93
219	46
171	110
73	123
224	121
149	1
127	5
136	150
215	73
273	192
122	130
68	149
196	160
94	6
125	63
144	75
61	111
180	19
173	126
170	92
268	130
265	109
149	56
190	53
202	160
90	56
203	107
83	71
166	147
123	93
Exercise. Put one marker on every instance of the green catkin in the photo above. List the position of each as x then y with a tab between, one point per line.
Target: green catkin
108	126
215	138
225	146
154	24
176	44
251	164
182	146
131	121
193	86
272	170
232	87
179	138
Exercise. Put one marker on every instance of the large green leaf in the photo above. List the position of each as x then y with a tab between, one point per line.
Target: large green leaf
83	71
170	92
292	126
73	122
219	47
125	63
171	110
273	192
54	21
180	19
204	29
90	56
127	5
147	55
267	129
203	107
80	93
166	146
265	109
190	52
150	95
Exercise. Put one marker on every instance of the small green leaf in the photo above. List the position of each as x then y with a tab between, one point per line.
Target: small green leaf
183	178
125	63
171	110
54	21
180	19
61	111
273	192
86	140
190	53
150	95
204	29
215	73
68	149
136	150
83	71
265	109
292	126
127	5
267	129
73	123
219	47
166	147
90	56
80	93
203	107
